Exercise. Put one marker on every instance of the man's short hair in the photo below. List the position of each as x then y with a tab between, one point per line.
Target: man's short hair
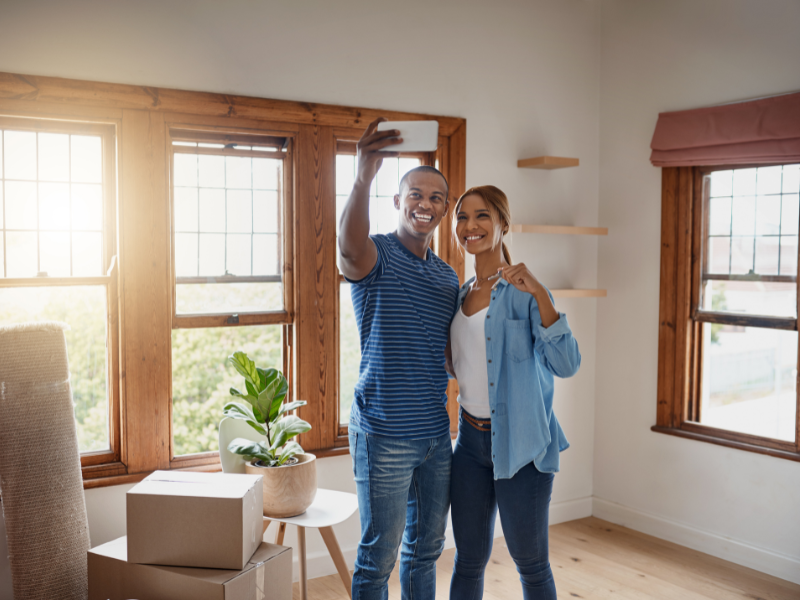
425	169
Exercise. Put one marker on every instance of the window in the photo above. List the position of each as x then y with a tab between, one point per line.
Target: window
383	219
229	293
57	253
221	213
728	345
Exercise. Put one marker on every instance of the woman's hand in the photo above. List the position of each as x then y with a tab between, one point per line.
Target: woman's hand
521	278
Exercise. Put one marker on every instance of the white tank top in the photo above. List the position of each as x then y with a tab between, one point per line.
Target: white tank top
468	347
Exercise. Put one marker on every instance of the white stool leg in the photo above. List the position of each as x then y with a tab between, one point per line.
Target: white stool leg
338	558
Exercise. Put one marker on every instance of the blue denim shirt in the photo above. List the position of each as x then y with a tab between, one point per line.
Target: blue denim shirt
522	357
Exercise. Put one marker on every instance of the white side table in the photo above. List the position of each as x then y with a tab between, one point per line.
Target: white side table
328	509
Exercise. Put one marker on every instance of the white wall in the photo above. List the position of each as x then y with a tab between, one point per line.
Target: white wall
525	75
662	56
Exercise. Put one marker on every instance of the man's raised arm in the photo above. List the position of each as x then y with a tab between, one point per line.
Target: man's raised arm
357	253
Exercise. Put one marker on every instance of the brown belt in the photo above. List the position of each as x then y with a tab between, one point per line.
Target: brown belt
479	424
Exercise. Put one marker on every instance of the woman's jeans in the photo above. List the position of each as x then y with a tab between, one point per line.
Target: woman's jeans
403	494
523	500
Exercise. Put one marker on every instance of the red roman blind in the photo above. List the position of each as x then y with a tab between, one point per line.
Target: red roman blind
756	132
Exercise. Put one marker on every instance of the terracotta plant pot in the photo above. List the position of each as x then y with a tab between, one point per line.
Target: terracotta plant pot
288	490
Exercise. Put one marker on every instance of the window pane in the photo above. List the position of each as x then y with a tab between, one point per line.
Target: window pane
87	207
87	254
86	159
237	172
63	193
775	299
769	180
83	308
186	255
185	171
239	211
349	352
749	380
19	150
744	182
744	215
186	208
54	157
265	254
742	249
21	205
720	220
265	211
21	255
238	253
212	254
211	171
54	253
216	298
54	206
721	183
212	210
202	376
236	212
266	173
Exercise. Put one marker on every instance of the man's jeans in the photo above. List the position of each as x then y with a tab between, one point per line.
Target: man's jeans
403	492
524	502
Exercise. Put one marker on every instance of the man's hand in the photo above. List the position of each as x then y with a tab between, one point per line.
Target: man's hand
357	253
371	151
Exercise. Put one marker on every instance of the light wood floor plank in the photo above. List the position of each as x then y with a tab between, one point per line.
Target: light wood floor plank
597	560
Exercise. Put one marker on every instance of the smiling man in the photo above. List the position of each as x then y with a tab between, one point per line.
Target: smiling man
404	296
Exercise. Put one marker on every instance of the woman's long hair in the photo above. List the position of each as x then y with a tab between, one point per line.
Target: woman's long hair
499	210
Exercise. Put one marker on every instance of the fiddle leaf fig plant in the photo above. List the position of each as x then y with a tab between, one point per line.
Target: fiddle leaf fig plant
264	410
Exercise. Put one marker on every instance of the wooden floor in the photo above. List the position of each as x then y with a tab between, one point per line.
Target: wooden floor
594	559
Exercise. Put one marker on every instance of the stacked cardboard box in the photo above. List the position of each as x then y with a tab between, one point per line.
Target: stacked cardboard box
192	536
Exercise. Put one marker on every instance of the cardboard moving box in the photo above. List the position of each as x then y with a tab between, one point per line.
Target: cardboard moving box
184	519
268	576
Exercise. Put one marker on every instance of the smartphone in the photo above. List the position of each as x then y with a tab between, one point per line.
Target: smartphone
418	136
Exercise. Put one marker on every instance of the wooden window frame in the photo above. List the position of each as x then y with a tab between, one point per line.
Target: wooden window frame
99	462
199	132
680	338
142	118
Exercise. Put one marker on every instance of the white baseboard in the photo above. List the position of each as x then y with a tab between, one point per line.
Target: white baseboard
769	562
319	563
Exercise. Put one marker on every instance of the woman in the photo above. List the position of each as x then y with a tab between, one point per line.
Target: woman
506	343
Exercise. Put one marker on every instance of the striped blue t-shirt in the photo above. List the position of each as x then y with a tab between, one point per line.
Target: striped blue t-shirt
403	310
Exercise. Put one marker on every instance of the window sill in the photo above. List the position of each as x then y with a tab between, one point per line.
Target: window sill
795	456
215	467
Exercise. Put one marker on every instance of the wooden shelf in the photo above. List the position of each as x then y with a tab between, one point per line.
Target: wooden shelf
547	162
578	293
559	229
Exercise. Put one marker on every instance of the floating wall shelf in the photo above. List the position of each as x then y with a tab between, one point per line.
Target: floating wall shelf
578	293
559	229
547	162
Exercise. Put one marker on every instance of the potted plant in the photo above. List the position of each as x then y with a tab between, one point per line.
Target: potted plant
289	473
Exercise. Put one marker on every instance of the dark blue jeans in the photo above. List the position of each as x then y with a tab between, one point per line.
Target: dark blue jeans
524	502
403	495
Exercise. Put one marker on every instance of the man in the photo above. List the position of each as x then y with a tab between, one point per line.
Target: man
404	296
